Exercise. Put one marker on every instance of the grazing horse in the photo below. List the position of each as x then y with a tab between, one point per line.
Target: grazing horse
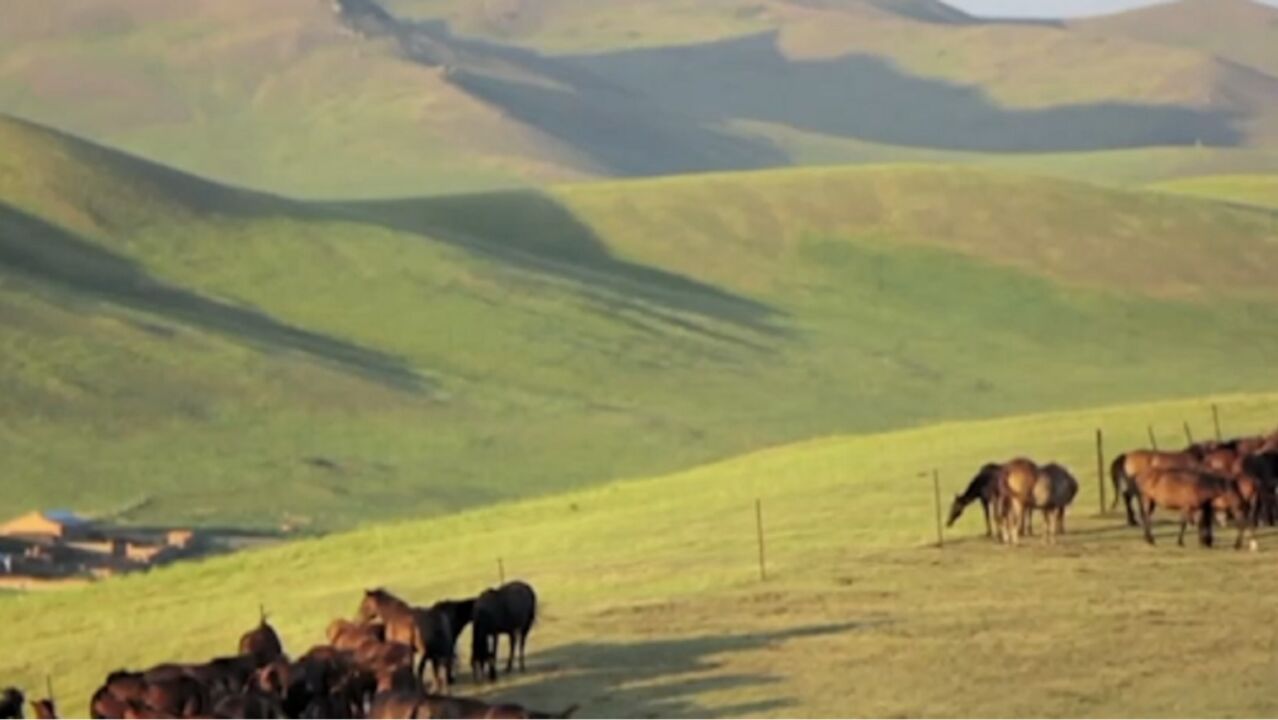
982	487
1128	464
11	701
1264	467
508	610
1192	492
426	631
261	643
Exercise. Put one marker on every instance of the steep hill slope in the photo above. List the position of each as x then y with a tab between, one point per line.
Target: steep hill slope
353	99
651	604
500	345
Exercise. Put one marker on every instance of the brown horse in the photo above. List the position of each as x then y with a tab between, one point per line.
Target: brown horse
406	704
1014	497
261	643
1127	465
426	631
983	488
1192	492
508	610
346	635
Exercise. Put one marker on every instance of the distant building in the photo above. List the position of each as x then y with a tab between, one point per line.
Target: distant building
61	524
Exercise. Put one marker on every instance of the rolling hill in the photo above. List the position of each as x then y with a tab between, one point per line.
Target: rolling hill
181	351
651	603
420	97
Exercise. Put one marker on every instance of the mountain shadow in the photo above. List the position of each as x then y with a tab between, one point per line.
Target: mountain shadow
48	254
529	231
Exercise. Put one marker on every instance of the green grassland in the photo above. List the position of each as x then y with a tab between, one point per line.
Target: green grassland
1258	190
652	606
194	353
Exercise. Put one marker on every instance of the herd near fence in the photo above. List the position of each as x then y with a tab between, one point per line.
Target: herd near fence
394	660
1204	483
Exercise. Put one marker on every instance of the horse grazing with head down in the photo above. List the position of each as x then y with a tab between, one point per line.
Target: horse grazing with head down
411	704
508	610
983	488
426	630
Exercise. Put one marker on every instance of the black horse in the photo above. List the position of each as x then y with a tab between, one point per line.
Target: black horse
459	614
508	610
11	700
982	488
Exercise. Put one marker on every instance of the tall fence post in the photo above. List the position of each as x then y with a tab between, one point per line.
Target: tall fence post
501	572
758	526
1100	468
936	492
1215	420
1189	436
1153	441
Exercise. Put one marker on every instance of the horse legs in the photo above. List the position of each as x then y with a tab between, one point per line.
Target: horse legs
1060	520
1144	519
1184	521
1128	496
510	661
985	507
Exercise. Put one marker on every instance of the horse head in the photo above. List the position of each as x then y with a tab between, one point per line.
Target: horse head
956	509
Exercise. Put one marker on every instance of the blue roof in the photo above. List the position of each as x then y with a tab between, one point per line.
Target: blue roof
66	517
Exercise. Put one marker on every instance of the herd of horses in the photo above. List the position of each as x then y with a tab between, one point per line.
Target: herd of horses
1206	483
366	668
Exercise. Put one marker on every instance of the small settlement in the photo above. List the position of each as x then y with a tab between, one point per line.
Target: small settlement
58	545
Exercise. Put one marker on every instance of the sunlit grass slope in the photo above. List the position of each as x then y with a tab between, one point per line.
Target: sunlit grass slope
468	349
652	606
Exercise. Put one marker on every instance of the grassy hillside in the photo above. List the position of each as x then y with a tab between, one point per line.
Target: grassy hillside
652	607
436	96
1258	190
224	357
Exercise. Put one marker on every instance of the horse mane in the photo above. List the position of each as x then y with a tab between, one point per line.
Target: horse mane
987	476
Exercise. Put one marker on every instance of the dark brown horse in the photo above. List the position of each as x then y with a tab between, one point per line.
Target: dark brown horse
508	610
11	701
1195	493
426	631
404	704
1128	464
261	643
983	488
1053	492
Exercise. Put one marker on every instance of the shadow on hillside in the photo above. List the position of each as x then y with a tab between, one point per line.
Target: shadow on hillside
530	231
659	110
34	248
656	678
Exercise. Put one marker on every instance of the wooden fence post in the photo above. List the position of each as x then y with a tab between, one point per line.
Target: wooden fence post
758	524
1189	437
1153	442
1100	468
936	491
1215	420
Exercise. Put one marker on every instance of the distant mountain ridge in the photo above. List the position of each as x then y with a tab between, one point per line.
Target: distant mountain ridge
393	97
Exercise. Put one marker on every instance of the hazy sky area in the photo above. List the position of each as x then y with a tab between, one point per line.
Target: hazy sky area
1053	8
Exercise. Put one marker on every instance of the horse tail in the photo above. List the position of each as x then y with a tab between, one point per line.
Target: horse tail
1118	475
